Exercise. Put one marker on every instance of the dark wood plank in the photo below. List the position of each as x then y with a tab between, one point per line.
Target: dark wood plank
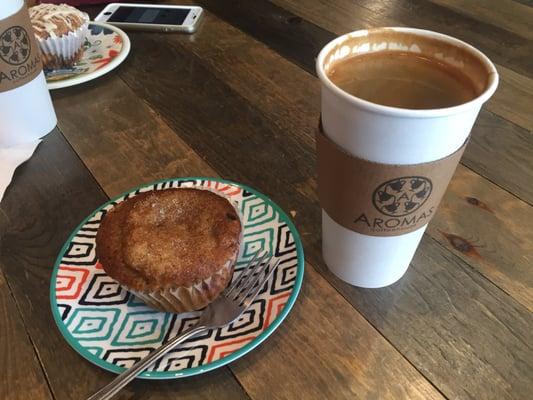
284	348
528	3
50	195
513	99
129	133
508	14
273	158
301	42
21	376
287	33
209	115
503	153
500	45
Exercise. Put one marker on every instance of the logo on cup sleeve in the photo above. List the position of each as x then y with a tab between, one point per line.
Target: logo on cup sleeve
402	196
15	45
399	202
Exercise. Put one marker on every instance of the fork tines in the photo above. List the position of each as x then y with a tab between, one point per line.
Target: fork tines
248	283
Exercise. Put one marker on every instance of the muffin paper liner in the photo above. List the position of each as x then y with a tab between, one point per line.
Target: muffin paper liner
184	299
65	50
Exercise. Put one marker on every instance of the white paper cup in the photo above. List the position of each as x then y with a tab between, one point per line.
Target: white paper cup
390	135
26	112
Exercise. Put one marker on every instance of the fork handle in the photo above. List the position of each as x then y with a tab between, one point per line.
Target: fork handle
124	378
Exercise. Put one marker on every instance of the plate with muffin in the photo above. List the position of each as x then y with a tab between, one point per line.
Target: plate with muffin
139	270
75	50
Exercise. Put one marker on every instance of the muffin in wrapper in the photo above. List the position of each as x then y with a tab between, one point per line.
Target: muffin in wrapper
61	31
175	249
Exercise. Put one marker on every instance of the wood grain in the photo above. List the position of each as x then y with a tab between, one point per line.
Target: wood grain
408	383
52	193
122	141
513	99
469	338
280	159
502	152
508	14
490	230
211	117
21	376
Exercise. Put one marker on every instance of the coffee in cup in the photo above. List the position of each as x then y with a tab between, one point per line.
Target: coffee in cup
403	79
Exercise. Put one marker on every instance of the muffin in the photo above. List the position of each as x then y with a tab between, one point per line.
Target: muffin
174	249
60	31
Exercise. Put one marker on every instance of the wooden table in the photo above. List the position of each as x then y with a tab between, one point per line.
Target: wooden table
239	99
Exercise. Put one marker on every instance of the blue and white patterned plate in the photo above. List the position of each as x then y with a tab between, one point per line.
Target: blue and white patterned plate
113	329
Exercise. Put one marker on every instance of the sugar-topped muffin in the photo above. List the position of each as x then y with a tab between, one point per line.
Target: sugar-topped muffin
60	31
175	249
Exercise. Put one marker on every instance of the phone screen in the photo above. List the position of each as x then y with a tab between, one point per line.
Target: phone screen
152	15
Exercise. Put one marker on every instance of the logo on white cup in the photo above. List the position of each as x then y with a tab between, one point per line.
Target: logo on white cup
402	196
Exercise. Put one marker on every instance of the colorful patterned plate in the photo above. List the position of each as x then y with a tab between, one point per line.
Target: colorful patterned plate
105	48
111	328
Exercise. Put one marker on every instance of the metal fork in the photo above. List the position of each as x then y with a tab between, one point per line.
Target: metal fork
225	309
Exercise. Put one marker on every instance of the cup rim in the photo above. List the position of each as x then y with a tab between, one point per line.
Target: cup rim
492	82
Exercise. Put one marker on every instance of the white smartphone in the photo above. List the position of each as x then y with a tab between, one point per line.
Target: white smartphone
152	17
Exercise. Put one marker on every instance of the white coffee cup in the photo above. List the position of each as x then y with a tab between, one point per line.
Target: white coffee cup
390	135
26	111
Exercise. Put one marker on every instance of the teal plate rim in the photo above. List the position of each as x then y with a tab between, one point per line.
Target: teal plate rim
203	368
